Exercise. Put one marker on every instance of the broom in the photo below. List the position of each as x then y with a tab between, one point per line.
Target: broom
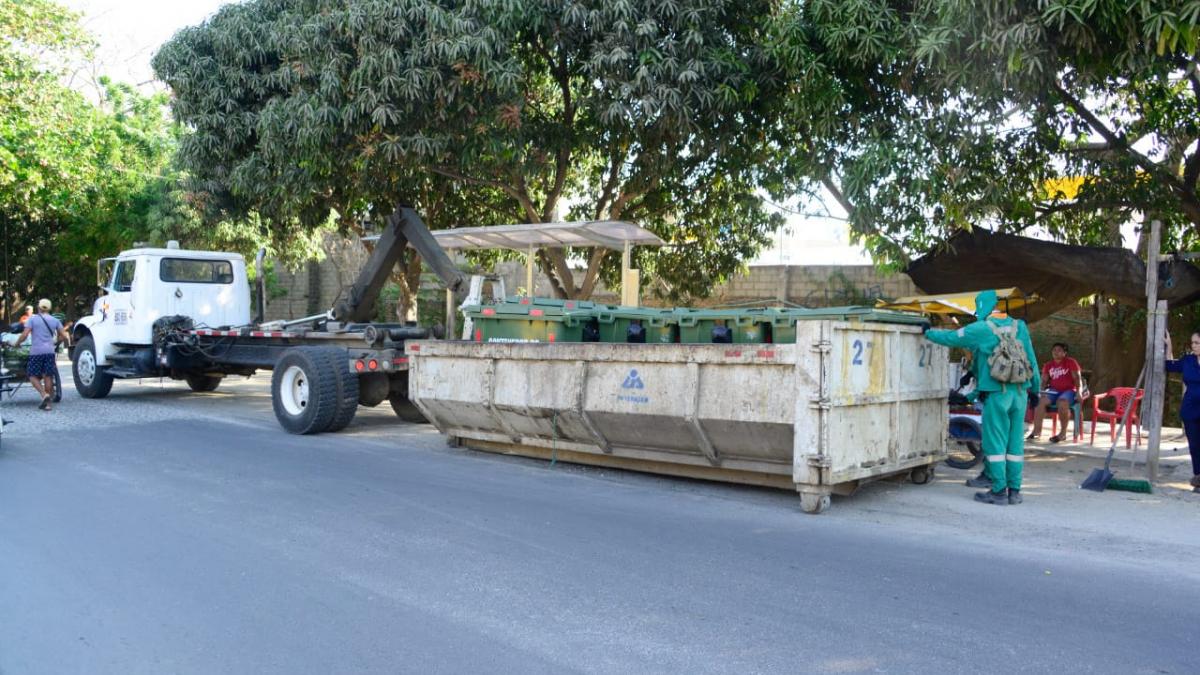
1100	479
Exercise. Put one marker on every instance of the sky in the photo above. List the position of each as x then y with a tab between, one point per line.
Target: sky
129	32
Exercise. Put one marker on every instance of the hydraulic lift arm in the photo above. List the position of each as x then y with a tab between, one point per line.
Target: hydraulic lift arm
404	228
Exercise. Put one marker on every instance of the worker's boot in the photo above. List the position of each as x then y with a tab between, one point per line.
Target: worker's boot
980	481
989	497
1014	496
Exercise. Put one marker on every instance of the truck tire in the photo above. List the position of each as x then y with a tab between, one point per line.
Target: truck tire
347	390
90	379
203	383
373	389
57	386
922	474
406	410
304	390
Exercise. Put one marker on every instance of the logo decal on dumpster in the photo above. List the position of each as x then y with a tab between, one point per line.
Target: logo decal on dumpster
633	381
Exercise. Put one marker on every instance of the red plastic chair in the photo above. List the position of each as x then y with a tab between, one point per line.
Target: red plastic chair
1124	397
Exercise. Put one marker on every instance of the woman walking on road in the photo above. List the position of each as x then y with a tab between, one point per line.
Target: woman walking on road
1189	411
46	331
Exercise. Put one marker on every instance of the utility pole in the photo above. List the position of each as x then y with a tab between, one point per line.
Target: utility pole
1156	326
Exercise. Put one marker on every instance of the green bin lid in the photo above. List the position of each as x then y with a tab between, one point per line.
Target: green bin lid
549	302
690	317
516	312
653	315
847	313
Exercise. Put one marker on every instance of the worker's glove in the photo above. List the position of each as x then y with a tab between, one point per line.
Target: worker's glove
925	326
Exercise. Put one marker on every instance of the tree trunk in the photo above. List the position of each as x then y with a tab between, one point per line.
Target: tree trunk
1120	342
407	276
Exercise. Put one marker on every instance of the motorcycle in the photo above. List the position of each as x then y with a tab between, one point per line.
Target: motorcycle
966	428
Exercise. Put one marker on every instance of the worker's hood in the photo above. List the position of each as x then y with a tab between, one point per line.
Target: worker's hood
985	303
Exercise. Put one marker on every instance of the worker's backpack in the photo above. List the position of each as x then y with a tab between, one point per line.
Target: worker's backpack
1008	362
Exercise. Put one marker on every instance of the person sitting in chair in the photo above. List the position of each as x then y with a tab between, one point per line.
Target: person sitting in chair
1064	377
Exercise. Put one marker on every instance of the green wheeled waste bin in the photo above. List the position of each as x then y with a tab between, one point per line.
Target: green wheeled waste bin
509	322
637	325
736	326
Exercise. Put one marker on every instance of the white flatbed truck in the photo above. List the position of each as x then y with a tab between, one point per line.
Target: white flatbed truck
182	314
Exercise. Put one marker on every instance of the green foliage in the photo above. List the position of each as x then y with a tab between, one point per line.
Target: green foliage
491	112
83	179
945	114
74	175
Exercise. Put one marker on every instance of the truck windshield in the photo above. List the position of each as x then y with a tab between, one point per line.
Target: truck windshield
192	271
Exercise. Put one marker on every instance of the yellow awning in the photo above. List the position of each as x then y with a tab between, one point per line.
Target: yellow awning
958	303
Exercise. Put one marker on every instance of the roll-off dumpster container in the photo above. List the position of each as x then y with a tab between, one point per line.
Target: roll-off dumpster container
847	403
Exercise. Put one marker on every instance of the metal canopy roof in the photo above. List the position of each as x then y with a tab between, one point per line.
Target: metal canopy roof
605	233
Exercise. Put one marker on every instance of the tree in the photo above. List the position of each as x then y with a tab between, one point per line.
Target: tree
1071	115
492	112
78	179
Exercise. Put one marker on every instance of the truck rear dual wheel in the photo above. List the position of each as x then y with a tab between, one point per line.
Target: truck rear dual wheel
346	392
90	379
304	391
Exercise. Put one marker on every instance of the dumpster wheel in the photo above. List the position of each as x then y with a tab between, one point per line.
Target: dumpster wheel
922	474
814	502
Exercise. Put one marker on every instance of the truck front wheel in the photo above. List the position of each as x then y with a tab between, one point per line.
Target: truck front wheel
91	381
304	390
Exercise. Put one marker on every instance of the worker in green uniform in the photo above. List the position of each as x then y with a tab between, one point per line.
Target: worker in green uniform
1006	369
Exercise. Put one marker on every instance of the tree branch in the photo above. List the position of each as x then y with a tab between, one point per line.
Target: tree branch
610	185
562	159
1191	170
838	195
1192	69
1187	198
521	197
593	271
1115	141
1077	205
543	262
560	270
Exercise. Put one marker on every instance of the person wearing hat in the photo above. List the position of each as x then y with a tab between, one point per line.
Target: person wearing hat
45	331
1006	370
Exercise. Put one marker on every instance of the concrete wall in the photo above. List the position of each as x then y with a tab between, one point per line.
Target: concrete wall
1072	326
315	286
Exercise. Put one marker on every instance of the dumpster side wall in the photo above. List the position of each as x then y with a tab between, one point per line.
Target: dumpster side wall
847	401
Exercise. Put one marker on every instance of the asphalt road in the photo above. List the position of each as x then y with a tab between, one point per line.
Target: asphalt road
202	545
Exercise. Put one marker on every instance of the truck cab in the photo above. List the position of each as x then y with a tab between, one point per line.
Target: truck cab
140	287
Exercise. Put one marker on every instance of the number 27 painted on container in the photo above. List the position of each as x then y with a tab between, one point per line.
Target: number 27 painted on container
856	358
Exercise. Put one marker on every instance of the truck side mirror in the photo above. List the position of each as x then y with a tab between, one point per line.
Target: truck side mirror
103	291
